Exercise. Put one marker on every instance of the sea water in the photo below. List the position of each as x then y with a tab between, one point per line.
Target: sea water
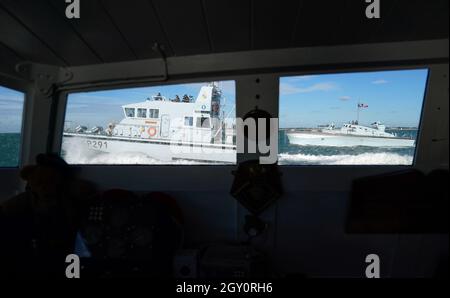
9	149
289	154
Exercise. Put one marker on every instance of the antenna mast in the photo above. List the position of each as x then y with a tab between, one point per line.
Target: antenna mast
357	112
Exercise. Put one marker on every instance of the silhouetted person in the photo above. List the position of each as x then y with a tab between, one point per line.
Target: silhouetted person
38	227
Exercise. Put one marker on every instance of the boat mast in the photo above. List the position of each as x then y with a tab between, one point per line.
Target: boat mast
357	112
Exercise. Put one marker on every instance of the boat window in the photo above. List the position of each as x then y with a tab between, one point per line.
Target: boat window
142	113
352	101
11	112
97	130
130	112
203	122
154	113
188	121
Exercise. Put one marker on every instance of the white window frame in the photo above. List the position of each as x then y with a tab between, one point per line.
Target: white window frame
366	70
23	88
260	88
11	182
191	120
145	111
151	115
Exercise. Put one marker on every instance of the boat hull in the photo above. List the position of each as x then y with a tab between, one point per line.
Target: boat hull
336	140
165	151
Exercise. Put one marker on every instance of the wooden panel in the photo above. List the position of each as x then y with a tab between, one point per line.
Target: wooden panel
23	42
139	25
98	31
229	24
274	23
184	24
52	28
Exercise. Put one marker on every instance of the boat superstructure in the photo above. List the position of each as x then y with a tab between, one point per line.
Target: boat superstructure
166	129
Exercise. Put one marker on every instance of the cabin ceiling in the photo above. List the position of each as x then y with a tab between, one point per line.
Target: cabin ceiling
117	30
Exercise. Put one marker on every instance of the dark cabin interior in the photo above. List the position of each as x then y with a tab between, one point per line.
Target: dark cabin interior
308	214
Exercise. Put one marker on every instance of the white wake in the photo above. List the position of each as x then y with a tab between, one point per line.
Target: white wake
76	153
359	159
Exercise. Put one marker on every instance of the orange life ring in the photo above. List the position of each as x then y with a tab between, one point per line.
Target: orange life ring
151	131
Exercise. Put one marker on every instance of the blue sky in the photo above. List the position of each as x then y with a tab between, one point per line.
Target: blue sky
394	97
11	110
102	107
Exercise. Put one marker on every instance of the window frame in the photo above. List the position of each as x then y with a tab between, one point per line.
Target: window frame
247	86
255	76
145	111
242	107
368	70
126	112
202	119
152	115
24	88
63	98
191	121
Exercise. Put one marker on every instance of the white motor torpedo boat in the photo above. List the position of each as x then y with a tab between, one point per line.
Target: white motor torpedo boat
165	130
349	135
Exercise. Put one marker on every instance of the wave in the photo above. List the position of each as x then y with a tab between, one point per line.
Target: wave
77	154
359	159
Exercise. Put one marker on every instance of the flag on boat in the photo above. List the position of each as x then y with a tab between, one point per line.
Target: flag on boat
363	105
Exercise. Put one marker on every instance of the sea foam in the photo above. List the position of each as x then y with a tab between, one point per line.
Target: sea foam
359	159
76	153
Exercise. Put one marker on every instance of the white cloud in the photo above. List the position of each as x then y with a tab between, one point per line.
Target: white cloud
345	98
89	98
300	78
11	98
10	102
287	89
77	106
379	82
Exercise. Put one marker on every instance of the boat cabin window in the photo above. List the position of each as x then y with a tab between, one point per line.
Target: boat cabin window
128	126
188	121
352	101
153	113
11	110
130	113
142	113
203	122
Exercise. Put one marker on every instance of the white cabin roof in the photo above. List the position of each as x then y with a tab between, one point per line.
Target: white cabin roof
149	104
